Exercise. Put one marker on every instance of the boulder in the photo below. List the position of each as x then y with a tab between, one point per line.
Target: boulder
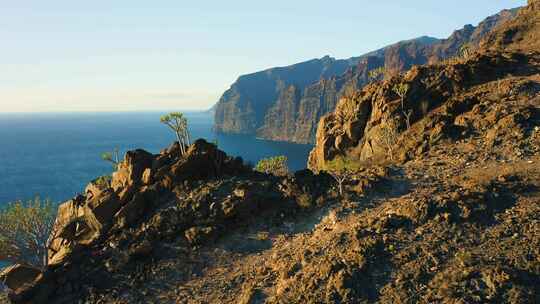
204	160
131	211
147	176
97	186
17	276
27	284
99	212
135	208
69	211
65	229
130	171
81	222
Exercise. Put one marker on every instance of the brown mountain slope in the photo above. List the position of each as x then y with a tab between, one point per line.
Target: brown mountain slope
458	223
511	49
453	218
359	125
521	34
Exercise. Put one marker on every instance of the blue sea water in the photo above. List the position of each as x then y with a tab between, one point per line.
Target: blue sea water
54	155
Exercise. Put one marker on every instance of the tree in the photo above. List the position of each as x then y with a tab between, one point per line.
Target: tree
276	165
179	124
342	169
401	90
389	132
112	157
24	232
408	115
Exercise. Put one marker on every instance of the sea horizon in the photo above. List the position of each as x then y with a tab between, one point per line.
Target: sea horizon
110	112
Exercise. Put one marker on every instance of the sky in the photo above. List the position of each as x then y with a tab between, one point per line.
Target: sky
182	55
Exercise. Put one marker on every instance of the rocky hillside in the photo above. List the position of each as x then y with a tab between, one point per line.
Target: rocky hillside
443	100
157	208
446	207
286	103
505	64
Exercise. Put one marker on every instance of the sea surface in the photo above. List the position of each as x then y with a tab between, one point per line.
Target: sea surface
55	155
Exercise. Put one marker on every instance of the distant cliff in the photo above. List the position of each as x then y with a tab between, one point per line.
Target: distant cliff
244	107
286	103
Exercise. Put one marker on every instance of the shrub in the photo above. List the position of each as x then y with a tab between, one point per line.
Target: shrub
342	169
25	230
276	165
401	90
389	137
304	200
103	182
112	157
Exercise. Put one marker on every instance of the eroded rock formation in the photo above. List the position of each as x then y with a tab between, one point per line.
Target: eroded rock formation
452	89
286	104
150	199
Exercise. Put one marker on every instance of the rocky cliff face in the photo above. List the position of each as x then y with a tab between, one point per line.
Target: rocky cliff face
361	124
439	97
242	109
151	203
286	104
521	34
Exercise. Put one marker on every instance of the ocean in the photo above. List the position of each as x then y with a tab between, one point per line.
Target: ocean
55	155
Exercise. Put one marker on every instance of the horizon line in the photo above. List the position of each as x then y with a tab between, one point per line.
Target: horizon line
111	111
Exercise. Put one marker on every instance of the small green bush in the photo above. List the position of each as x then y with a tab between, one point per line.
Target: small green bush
342	169
103	182
112	157
305	201
273	165
24	231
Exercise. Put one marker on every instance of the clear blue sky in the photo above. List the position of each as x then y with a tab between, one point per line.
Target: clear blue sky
154	55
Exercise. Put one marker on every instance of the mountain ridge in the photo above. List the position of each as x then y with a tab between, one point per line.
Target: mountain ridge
289	110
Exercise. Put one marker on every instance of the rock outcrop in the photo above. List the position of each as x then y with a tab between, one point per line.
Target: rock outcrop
521	34
152	200
361	124
286	104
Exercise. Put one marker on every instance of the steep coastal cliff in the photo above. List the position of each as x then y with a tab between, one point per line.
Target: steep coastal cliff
286	103
243	107
444	209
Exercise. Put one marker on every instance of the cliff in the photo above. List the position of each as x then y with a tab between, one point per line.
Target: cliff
445	207
286	103
453	88
243	107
